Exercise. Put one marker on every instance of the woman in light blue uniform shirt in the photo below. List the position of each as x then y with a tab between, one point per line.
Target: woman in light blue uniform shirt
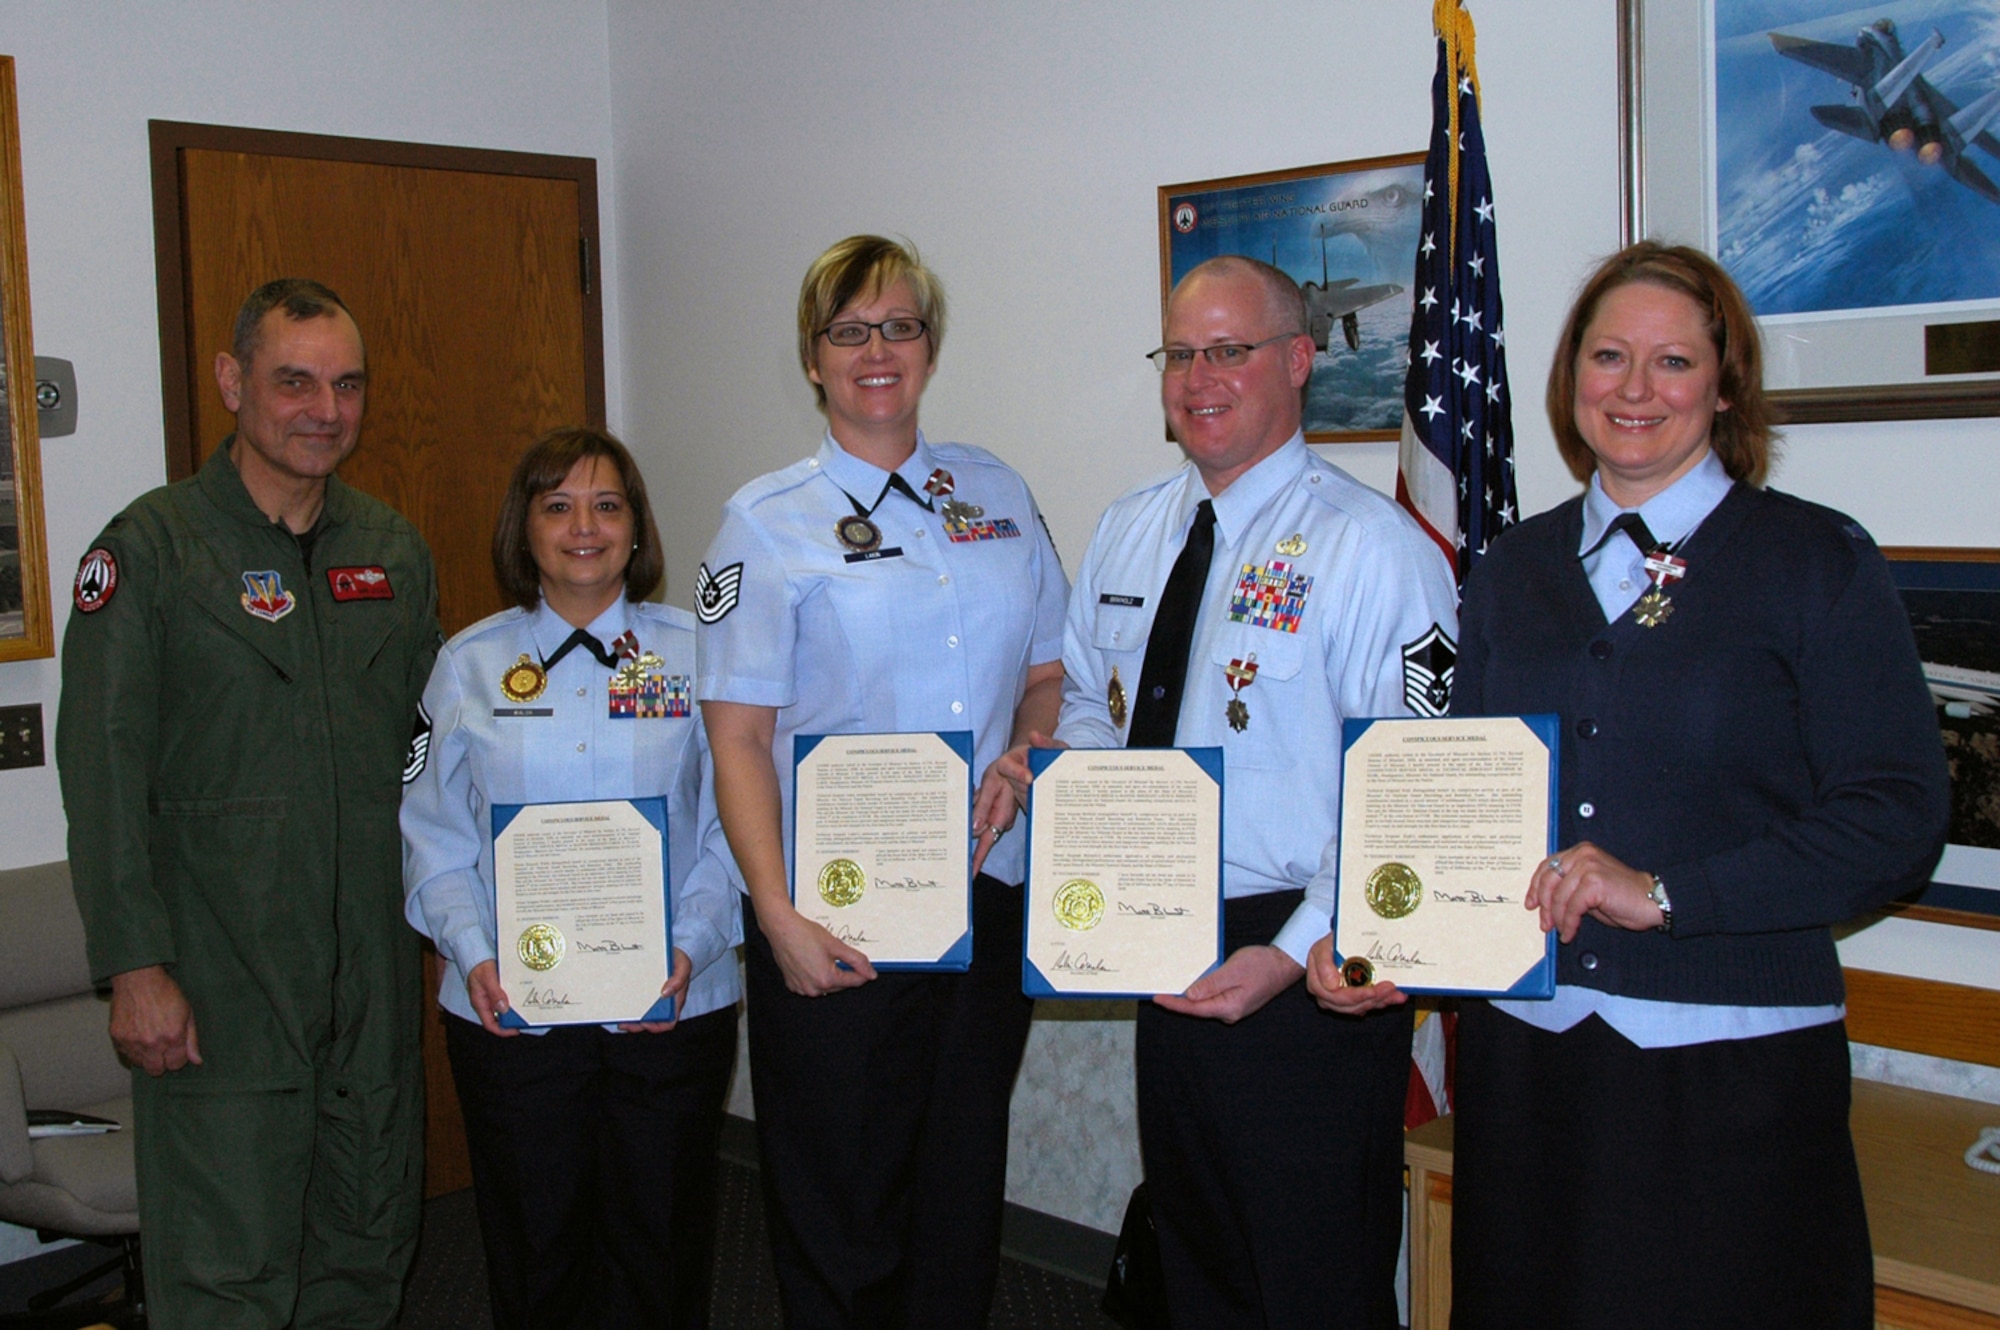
593	1149
885	583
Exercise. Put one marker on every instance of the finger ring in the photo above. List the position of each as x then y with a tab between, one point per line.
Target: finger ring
1556	866
998	832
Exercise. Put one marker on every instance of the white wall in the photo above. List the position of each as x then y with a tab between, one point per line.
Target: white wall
527	75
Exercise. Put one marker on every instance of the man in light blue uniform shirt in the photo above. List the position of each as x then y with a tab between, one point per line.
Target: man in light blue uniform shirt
1271	1131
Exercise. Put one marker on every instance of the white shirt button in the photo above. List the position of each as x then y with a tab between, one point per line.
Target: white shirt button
921	533
944	579
1625	584
957	708
1586	809
583	692
951	641
580	747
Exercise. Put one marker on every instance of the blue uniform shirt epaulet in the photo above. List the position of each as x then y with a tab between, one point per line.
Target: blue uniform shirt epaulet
472	632
1154	482
773	483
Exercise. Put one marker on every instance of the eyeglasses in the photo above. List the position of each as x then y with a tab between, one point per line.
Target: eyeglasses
1230	355
892	330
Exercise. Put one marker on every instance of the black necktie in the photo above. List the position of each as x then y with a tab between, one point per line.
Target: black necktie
1632	523
580	638
896	482
1156	715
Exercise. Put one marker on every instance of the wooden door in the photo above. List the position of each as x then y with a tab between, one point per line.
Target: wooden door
470	275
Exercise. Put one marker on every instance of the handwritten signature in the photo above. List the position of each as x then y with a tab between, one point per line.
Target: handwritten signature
1154	910
545	998
1395	955
1081	963
1471	898
610	946
905	884
849	935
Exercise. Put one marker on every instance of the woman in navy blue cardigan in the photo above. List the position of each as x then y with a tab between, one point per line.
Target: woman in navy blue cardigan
1750	757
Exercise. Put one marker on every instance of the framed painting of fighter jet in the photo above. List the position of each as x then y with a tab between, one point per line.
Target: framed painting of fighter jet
1844	164
1347	233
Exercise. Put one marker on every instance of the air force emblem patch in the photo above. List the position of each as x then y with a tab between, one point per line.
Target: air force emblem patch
265	597
96	579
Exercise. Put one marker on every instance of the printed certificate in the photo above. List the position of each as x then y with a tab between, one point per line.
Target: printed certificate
882	844
580	895
1442	823
1124	894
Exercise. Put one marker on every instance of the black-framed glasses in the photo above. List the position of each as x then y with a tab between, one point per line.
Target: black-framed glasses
1229	355
892	330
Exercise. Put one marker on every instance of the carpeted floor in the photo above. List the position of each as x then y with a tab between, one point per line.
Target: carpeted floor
447	1288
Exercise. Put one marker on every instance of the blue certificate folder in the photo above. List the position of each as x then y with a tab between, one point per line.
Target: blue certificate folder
1034	982
1539	979
958	956
654	810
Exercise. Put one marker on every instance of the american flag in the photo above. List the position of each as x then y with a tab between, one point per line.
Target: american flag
1456	466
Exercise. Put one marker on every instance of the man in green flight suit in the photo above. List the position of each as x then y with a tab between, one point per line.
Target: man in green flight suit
241	676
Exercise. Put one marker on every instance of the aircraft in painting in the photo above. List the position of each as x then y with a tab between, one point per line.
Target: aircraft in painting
1895	104
1374	219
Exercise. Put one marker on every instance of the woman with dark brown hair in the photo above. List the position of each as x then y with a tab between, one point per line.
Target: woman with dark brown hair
1749	757
593	1147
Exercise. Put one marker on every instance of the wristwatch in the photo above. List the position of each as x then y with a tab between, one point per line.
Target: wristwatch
1658	895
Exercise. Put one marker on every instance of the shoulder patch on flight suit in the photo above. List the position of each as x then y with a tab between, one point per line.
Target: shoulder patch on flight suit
715	592
96	579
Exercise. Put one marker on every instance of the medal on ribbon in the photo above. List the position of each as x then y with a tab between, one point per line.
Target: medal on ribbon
858	534
940	484
1241	674
1114	699
960	512
524	680
1662	570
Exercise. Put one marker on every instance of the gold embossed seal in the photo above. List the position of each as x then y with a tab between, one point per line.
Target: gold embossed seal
1079	905
1394	890
524	680
541	947
841	883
